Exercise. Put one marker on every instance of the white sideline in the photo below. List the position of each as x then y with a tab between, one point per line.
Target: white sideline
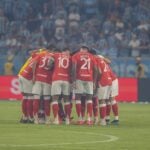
111	138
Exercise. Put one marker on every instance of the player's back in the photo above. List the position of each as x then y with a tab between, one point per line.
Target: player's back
42	70
84	65
105	78
62	66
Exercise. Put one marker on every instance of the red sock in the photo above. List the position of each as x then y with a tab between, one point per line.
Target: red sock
68	109
30	108
89	108
55	109
24	107
108	109
115	108
47	107
36	106
78	108
95	106
102	111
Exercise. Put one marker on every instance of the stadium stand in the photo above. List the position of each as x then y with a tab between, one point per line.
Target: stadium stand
116	28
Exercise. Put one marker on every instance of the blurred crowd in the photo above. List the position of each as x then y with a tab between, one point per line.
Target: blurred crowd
116	28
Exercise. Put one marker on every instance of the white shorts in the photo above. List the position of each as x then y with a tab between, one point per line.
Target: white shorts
41	88
60	87
84	87
114	89
25	85
103	92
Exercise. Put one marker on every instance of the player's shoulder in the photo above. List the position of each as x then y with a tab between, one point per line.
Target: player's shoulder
57	54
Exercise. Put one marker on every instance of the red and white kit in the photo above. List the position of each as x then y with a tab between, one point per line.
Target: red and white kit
85	63
105	80
43	75
61	74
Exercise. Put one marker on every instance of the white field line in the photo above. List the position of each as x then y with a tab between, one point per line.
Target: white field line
111	138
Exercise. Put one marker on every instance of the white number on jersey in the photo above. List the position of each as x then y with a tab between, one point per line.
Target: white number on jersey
63	62
86	63
106	68
45	61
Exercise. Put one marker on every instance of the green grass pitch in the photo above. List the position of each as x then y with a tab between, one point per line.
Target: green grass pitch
133	133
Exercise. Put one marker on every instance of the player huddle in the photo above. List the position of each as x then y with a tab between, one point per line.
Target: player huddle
52	79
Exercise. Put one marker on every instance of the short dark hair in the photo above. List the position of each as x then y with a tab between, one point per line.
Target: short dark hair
51	47
66	49
85	47
92	51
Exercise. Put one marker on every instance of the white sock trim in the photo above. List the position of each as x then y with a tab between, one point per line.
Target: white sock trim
89	102
78	101
113	102
67	103
36	96
102	105
53	103
46	97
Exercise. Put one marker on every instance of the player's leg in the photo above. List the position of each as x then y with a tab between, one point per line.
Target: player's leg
114	103
46	99
88	86
30	108
89	106
67	107
83	107
78	94
108	110
95	109
61	112
24	104
24	118
36	91
56	92
101	93
115	110
67	102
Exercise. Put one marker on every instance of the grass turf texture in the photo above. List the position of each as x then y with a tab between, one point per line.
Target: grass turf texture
133	133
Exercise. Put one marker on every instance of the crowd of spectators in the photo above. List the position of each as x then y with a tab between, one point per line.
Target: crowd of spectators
113	27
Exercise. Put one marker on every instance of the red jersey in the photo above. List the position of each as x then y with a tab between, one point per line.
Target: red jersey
62	67
105	78
85	63
112	74
43	73
27	71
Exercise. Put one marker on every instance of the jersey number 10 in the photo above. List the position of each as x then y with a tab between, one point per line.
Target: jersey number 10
63	62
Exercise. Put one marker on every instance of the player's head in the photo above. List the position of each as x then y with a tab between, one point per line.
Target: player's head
42	49
57	50
84	48
92	51
107	60
33	53
66	50
51	47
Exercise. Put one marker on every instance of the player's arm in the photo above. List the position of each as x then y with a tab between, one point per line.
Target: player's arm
50	64
34	65
107	60
95	75
98	76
